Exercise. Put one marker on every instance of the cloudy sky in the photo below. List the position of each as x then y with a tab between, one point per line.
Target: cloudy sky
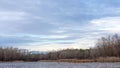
57	24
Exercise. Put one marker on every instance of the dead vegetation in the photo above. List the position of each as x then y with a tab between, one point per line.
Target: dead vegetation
107	49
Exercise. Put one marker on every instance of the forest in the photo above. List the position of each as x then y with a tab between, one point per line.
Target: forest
108	46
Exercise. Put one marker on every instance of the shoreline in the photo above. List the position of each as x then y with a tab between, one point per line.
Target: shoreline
101	59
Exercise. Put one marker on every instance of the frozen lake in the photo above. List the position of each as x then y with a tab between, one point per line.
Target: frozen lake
57	65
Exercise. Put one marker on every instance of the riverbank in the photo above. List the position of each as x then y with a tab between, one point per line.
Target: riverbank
101	59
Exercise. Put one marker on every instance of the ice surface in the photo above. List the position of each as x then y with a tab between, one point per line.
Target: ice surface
57	65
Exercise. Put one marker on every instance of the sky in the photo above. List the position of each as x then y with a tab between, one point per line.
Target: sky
46	25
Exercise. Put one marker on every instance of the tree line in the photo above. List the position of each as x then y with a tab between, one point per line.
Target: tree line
105	47
15	54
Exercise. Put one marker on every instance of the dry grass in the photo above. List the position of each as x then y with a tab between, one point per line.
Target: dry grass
101	59
108	59
75	60
69	60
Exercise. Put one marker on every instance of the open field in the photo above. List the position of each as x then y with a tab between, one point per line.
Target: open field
57	65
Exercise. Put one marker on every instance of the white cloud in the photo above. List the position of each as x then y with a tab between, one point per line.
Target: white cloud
51	36
48	47
80	43
11	15
11	21
63	16
109	24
